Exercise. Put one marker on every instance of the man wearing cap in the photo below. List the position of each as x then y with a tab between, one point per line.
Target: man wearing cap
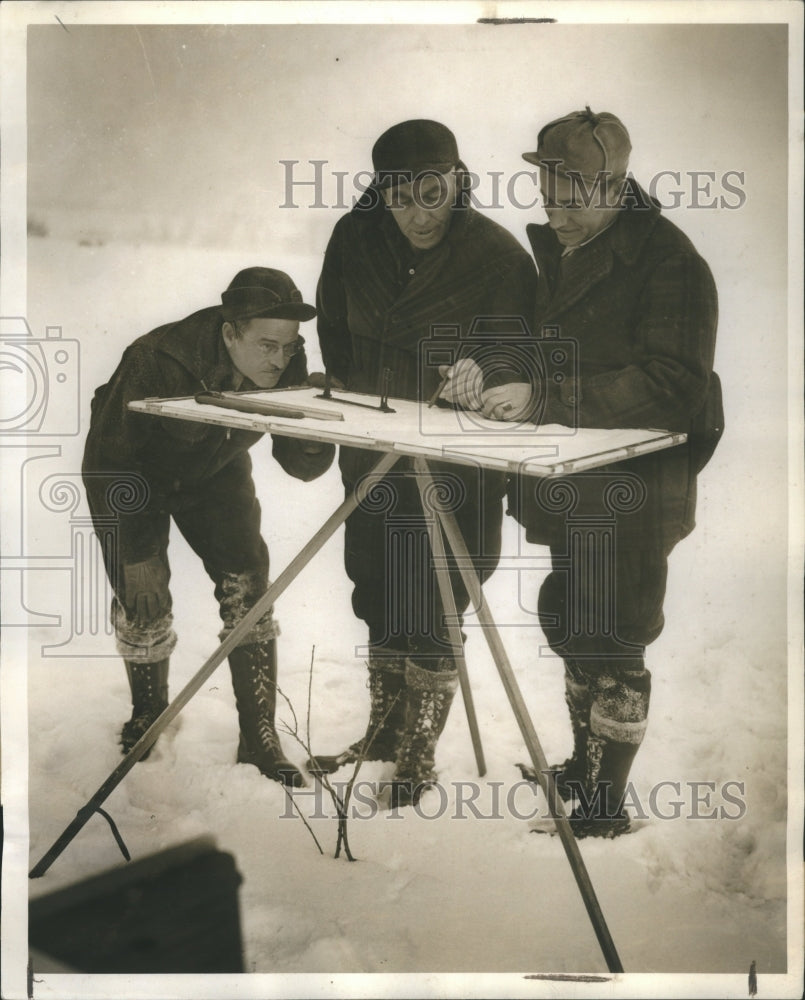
200	476
627	291
413	255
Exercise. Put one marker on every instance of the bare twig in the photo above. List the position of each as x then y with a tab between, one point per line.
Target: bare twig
310	691
302	817
340	802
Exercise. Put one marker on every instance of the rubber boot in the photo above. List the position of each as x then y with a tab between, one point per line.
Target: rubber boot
618	719
149	699
430	695
254	680
386	718
572	774
601	813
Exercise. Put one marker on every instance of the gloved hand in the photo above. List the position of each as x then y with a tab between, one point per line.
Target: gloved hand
305	460
147	597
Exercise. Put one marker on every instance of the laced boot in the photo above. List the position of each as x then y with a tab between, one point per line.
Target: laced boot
254	680
430	695
149	698
386	718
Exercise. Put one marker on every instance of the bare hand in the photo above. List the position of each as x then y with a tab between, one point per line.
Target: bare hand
465	384
513	401
318	380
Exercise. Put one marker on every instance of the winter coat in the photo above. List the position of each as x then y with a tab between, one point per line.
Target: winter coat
178	456
379	300
639	308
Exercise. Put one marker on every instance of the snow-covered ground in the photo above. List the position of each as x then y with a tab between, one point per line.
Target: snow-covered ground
439	890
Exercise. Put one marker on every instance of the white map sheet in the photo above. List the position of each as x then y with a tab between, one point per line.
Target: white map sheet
437	432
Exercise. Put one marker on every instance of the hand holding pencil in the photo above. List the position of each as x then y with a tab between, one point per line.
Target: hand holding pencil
462	384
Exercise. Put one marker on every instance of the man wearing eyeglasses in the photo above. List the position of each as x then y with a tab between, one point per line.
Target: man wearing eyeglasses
199	475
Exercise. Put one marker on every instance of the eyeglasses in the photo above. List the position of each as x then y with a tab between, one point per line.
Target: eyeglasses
271	347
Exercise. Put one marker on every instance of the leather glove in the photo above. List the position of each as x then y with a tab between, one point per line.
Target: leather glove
146	589
305	460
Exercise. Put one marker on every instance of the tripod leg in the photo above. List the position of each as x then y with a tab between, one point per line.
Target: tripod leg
546	777
449	605
291	571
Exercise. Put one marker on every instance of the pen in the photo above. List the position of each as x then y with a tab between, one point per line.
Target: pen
438	392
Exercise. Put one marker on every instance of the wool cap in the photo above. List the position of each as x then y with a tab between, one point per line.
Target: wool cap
584	143
264	292
412	148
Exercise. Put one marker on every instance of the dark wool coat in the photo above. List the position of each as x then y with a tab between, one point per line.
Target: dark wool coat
379	300
379	303
639	306
178	456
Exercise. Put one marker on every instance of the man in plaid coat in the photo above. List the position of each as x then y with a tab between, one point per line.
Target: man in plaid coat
624	290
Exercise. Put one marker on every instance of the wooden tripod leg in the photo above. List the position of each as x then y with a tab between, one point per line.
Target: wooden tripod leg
546	777
291	571
450	610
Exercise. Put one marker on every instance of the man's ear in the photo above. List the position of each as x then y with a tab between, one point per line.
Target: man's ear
228	332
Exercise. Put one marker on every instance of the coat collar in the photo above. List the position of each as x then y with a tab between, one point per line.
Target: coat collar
197	343
590	264
386	251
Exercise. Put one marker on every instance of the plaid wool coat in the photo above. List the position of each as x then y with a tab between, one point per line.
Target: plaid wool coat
638	309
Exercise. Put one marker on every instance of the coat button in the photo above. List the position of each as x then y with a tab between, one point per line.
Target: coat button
412	270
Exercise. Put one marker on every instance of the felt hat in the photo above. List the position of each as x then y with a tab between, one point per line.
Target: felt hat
264	292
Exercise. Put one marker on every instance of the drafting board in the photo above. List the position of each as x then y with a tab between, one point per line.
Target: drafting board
438	433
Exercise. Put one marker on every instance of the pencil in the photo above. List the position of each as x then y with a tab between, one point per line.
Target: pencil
438	392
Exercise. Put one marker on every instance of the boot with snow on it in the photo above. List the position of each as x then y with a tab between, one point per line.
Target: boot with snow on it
571	775
148	683
430	695
253	667
618	720
602	814
386	718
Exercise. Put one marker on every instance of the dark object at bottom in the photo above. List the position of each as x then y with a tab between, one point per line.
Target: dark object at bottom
176	911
